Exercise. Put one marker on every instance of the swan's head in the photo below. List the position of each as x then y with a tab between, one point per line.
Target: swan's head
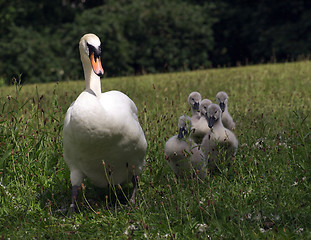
204	105
222	100
194	100
213	114
90	51
184	126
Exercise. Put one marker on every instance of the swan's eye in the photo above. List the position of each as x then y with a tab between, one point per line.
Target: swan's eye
92	49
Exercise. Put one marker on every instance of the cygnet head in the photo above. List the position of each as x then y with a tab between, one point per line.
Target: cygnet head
194	100
90	52
213	114
184	126
222	100
204	105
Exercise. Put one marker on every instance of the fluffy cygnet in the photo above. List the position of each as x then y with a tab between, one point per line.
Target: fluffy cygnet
182	154
194	100
222	100
200	127
220	144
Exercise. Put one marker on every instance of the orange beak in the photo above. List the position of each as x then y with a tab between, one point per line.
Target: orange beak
97	65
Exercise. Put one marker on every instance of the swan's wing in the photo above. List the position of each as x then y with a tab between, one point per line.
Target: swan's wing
116	102
133	108
68	115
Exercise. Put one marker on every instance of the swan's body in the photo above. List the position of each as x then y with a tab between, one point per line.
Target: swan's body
222	100
182	154
200	127
95	136
102	137
220	144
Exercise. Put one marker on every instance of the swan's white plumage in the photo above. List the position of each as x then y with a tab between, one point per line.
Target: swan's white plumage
220	144
102	137
182	154
222	99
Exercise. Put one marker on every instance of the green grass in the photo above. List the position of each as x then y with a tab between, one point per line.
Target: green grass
265	194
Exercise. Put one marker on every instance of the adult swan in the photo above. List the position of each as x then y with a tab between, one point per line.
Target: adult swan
102	137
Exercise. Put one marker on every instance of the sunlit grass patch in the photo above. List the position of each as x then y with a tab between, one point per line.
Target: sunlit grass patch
264	194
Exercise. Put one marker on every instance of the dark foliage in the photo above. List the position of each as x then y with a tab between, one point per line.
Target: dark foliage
142	36
262	31
39	39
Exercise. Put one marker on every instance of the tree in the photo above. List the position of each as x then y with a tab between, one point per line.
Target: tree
256	31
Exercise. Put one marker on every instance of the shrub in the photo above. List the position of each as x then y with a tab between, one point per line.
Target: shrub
30	53
141	36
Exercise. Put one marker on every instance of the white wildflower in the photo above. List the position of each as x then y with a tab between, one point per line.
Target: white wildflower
257	217
167	236
295	184
201	227
130	228
283	144
246	194
259	143
276	217
2	185
248	216
7	192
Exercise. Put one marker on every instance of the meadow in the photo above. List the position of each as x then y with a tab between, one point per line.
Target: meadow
265	194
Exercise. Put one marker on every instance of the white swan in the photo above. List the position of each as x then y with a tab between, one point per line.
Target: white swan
182	154
200	127
220	144
102	137
222	100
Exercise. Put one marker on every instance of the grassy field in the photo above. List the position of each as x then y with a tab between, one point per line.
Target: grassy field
266	194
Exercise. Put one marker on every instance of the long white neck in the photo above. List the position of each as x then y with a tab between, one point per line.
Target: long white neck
92	81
